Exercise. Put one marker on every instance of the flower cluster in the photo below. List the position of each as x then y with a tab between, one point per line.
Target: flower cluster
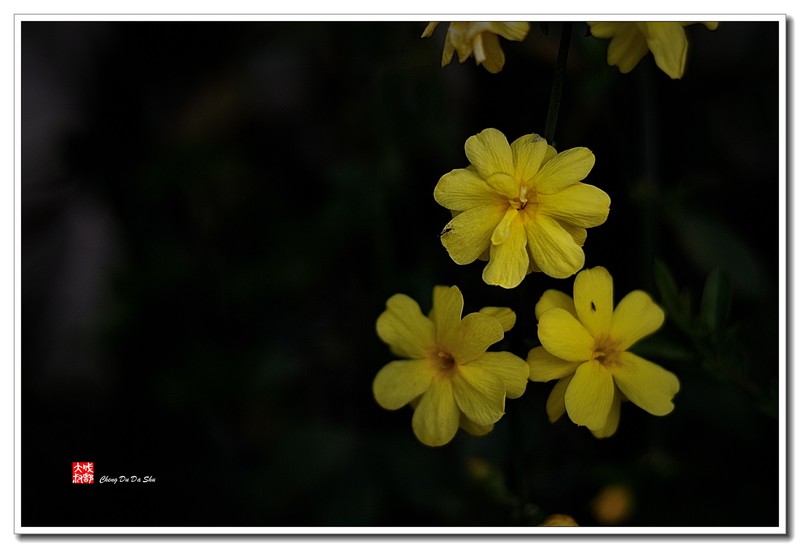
630	42
523	207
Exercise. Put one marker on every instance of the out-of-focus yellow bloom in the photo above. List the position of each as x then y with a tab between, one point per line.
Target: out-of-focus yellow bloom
631	41
559	520
613	505
480	39
585	344
478	468
521	206
448	376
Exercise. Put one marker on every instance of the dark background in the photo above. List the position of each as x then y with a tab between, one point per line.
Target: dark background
214	214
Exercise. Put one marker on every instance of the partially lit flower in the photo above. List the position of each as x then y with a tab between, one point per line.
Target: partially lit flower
630	41
559	520
478	39
613	505
447	374
585	344
521	206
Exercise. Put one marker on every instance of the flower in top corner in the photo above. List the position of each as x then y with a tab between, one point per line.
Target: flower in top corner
478	39
523	207
630	41
446	373
586	345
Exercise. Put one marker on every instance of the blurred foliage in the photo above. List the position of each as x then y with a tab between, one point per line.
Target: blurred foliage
214	214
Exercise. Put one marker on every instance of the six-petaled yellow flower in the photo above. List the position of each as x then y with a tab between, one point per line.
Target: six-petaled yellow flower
521	206
478	39
630	41
447	374
585	345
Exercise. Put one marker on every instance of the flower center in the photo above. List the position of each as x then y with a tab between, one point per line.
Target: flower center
606	350
445	360
526	196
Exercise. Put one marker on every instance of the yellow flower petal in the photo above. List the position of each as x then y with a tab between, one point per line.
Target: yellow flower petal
555	401
613	418
492	55
477	333
635	317
578	234
403	326
504	315
463	189
447	52
509	223
553	298
581	205
480	395
550	154
448	304
667	41
594	299
429	29
563	336
515	30
469	233
460	35
546	367
503	184
529	152
508	261
532	266
589	395
605	29
565	169
401	381
472	428
490	153
626	48
510	369
436	416
552	247
646	384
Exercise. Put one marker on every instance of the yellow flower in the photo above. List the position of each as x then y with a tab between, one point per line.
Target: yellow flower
448	377
521	206
559	520
585	345
631	41
613	505
479	38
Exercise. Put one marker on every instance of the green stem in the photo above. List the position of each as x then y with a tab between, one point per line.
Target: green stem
558	83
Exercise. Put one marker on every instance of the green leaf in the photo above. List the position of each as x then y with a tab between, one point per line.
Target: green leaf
716	302
677	306
711	244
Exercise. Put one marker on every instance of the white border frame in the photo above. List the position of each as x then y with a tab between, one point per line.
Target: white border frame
781	529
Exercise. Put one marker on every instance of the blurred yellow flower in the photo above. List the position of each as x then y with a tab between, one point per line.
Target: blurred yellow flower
448	376
585	344
480	39
559	520
630	41
522	207
613	505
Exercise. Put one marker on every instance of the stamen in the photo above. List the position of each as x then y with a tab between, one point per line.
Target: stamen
446	361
